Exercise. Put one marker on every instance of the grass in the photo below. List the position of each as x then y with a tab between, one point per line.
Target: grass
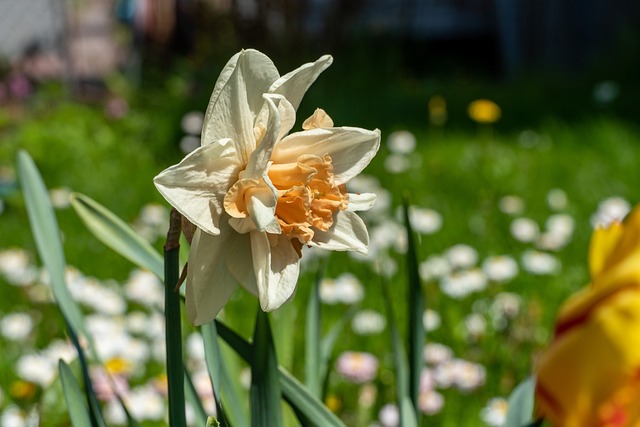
460	170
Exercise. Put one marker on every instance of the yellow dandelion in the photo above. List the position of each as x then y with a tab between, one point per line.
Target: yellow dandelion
484	111
117	366
333	402
22	390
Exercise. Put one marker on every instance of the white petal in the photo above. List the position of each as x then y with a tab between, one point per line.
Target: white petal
319	119
209	281
237	100
262	208
245	225
351	149
361	201
294	85
259	159
348	233
239	261
196	186
286	113
242	225
287	117
276	269
210	131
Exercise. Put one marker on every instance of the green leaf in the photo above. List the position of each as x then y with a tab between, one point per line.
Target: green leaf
265	392
405	405
97	420
191	396
284	320
301	400
310	410
116	234
47	236
175	368
329	340
131	422
520	403
224	388
76	405
52	406
46	233
212	422
416	306
312	374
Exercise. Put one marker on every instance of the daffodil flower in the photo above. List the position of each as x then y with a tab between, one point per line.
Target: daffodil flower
590	374
258	194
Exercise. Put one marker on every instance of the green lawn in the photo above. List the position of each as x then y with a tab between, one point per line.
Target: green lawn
460	170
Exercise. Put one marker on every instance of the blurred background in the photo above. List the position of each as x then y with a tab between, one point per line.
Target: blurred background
512	125
547	51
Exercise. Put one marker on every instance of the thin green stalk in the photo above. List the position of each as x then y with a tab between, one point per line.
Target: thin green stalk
312	374
175	370
416	306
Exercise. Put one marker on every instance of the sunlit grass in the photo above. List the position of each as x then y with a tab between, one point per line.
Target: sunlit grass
461	175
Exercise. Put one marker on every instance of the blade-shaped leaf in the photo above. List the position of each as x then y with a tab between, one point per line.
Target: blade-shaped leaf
191	396
295	394
131	422
97	420
116	234
95	412
175	369
520	403
312	374
328	342
46	233
265	386
224	388
76	404
416	306
309	410
405	405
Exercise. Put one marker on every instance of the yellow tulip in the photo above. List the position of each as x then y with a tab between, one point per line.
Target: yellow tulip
590	374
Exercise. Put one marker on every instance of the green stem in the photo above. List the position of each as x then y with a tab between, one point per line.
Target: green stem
175	370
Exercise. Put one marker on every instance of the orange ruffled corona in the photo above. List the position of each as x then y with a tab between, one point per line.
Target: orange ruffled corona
308	196
590	374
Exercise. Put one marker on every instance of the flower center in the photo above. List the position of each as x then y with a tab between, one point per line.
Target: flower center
307	196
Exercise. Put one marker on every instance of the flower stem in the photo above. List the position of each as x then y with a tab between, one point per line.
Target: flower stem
175	370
